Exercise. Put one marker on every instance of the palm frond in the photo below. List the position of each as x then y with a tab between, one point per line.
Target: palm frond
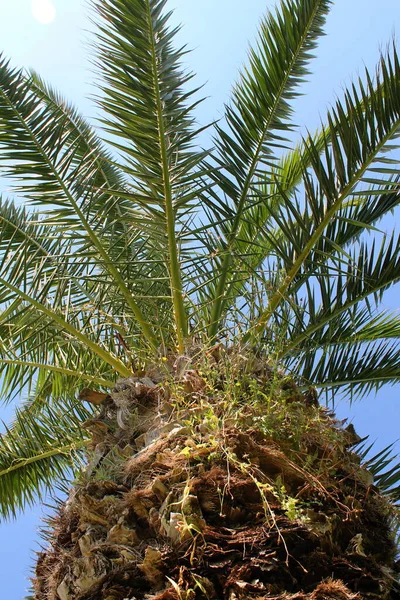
359	281
146	105
260	111
11	292
36	450
54	174
381	465
362	132
353	368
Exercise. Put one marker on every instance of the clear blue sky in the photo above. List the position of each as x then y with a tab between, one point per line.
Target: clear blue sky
219	32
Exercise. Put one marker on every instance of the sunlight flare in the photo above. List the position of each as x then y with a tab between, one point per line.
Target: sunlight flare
43	11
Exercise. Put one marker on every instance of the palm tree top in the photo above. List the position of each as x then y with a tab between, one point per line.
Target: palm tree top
133	239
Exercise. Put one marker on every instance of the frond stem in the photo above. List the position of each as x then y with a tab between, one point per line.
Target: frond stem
21	463
103	354
219	299
280	293
325	320
91	234
175	273
62	370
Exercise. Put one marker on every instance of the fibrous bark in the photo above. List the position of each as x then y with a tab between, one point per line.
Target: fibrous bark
208	486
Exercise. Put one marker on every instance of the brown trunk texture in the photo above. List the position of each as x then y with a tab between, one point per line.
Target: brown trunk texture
217	487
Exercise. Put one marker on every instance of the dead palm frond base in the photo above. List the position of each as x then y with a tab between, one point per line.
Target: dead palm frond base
192	491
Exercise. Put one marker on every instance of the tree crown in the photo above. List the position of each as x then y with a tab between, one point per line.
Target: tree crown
143	241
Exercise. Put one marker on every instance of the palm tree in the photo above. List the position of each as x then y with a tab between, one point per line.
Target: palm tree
172	314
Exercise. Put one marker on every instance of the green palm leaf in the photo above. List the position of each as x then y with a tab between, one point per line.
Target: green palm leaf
362	132
387	480
370	271
146	106
259	112
33	150
39	448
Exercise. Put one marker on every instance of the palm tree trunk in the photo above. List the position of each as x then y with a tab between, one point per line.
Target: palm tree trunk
219	488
